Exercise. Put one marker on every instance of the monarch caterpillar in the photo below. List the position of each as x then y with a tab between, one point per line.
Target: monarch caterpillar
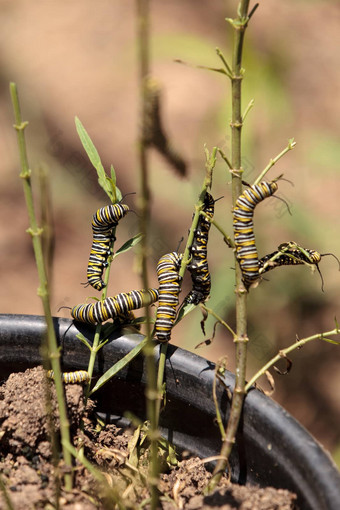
198	266
111	307
72	377
246	252
291	254
104	220
169	289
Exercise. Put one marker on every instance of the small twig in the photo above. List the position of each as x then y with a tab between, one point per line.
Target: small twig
225	63
220	320
218	367
247	110
290	146
224	157
284	352
227	239
209	167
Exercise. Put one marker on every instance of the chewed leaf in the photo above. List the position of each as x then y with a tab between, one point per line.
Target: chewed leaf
289	364
129	244
94	157
270	380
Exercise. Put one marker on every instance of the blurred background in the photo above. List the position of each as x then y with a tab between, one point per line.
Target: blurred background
80	58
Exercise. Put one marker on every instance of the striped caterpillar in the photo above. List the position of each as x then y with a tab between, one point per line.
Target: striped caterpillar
169	289
104	220
111	307
246	252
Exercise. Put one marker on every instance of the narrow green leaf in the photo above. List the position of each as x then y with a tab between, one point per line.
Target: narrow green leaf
113	175
119	366
215	69
94	157
83	340
129	244
142	320
117	192
189	307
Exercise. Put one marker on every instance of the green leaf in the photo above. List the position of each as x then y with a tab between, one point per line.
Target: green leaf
119	366
94	157
83	340
142	320
116	193
113	180
129	244
187	308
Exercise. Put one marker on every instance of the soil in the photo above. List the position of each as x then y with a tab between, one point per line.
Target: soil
30	475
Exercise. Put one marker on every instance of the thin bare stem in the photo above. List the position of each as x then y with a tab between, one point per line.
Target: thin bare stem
283	352
217	408
96	340
53	352
239	26
152	394
225	63
227	239
210	164
209	167
48	237
290	146
220	320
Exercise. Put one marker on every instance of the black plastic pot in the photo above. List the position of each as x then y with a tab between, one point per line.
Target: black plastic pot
271	448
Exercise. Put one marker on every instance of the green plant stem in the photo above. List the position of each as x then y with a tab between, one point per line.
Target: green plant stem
217	408
209	167
152	394
227	239
272	162
220	320
225	158
160	375
5	494
110	492
96	340
247	110
283	352
43	290
239	26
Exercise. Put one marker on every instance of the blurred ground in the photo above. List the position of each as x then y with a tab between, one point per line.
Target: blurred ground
80	59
